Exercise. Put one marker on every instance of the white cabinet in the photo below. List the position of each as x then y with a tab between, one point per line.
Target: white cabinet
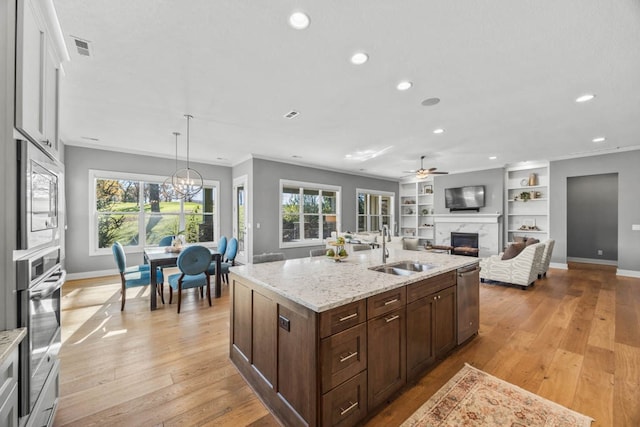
37	77
527	201
416	210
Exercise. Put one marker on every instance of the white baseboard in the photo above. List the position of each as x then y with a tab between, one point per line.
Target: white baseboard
628	273
559	265
593	261
91	274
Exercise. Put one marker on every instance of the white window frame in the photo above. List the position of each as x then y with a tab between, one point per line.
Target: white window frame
95	174
390	194
307	186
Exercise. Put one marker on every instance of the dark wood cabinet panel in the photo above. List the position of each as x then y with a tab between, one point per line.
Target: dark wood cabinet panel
430	286
342	318
445	321
386	302
343	355
265	321
346	404
296	352
420	332
386	360
241	319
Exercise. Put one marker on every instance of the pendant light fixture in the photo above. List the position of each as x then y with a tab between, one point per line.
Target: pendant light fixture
187	182
169	181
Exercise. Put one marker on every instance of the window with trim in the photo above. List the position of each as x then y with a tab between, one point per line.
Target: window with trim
375	209
308	213
138	210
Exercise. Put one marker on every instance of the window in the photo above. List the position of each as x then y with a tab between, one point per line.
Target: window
375	209
308	213
137	210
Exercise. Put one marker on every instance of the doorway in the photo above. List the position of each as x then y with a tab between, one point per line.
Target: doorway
592	219
240	217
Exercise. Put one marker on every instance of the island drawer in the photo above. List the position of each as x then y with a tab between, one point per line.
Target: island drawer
343	355
342	318
386	302
431	285
346	404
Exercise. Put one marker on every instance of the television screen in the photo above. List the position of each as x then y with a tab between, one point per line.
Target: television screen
462	198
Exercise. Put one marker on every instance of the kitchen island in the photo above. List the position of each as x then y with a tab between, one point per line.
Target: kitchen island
326	343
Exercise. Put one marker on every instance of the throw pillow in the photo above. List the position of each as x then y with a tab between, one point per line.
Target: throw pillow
513	251
531	241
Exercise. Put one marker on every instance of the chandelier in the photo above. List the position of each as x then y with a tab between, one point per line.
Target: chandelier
187	182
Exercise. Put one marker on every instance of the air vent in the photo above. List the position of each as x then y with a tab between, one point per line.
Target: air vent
291	114
82	46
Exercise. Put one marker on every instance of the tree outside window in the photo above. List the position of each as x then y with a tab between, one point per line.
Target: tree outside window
308	214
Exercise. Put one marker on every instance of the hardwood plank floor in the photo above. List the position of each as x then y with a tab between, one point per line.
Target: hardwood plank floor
573	338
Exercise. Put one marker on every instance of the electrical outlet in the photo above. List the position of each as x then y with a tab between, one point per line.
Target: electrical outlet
599	251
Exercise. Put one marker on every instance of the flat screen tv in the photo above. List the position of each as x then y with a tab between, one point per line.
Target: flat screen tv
464	198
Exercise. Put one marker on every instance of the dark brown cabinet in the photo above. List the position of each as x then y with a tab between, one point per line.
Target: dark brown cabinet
431	329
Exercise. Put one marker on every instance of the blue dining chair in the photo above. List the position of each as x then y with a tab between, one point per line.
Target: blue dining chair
229	259
222	244
166	241
193	263
134	276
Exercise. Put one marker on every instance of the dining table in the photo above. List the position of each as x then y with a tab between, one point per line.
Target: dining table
161	256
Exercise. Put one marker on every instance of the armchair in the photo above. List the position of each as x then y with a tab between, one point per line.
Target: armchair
546	258
521	270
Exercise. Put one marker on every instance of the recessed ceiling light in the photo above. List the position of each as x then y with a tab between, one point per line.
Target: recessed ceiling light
430	101
599	139
299	20
585	97
493	157
438	131
359	58
404	85
295	156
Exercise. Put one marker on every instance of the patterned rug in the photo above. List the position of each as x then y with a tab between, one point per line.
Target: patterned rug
475	398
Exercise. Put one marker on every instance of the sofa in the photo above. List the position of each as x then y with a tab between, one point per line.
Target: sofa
520	270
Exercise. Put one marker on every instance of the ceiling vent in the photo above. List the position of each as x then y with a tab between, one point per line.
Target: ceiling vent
82	46
291	114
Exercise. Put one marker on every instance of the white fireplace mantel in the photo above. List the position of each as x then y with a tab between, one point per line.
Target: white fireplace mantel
467	218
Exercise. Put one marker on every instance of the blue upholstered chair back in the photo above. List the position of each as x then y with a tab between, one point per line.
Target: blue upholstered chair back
194	260
166	241
232	250
118	254
222	245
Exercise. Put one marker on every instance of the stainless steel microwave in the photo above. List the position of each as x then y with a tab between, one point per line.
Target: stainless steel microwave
41	184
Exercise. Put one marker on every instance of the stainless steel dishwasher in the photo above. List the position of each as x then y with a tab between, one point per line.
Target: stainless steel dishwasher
468	291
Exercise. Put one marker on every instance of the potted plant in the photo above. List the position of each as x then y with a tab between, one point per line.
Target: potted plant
524	196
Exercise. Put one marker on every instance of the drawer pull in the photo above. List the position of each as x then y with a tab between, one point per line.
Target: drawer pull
392	318
391	301
344	411
345	358
351	316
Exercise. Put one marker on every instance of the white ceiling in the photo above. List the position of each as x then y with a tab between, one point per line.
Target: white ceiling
507	73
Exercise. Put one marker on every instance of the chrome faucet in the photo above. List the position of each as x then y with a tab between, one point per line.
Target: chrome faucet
385	251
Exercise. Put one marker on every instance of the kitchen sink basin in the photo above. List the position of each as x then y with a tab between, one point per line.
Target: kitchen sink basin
403	268
392	270
412	266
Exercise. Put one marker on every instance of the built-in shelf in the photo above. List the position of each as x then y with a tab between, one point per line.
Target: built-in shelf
530	212
412	225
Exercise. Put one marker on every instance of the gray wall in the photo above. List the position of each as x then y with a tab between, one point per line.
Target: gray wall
592	217
266	199
492	179
78	162
625	164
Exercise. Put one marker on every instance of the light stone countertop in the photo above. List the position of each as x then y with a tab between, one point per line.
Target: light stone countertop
320	284
9	340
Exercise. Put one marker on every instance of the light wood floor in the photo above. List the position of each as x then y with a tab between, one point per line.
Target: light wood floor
574	338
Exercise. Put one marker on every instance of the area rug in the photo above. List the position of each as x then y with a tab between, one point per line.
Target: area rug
475	398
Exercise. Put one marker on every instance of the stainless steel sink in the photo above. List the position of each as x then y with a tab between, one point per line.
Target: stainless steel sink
403	268
412	266
392	270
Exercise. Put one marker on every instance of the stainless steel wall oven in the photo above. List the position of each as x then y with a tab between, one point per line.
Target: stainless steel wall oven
39	282
41	183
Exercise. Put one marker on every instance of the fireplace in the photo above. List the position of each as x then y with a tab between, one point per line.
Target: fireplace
464	244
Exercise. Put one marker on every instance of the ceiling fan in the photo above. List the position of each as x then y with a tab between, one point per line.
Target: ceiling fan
423	173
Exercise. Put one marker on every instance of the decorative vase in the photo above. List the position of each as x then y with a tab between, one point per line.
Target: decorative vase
533	179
